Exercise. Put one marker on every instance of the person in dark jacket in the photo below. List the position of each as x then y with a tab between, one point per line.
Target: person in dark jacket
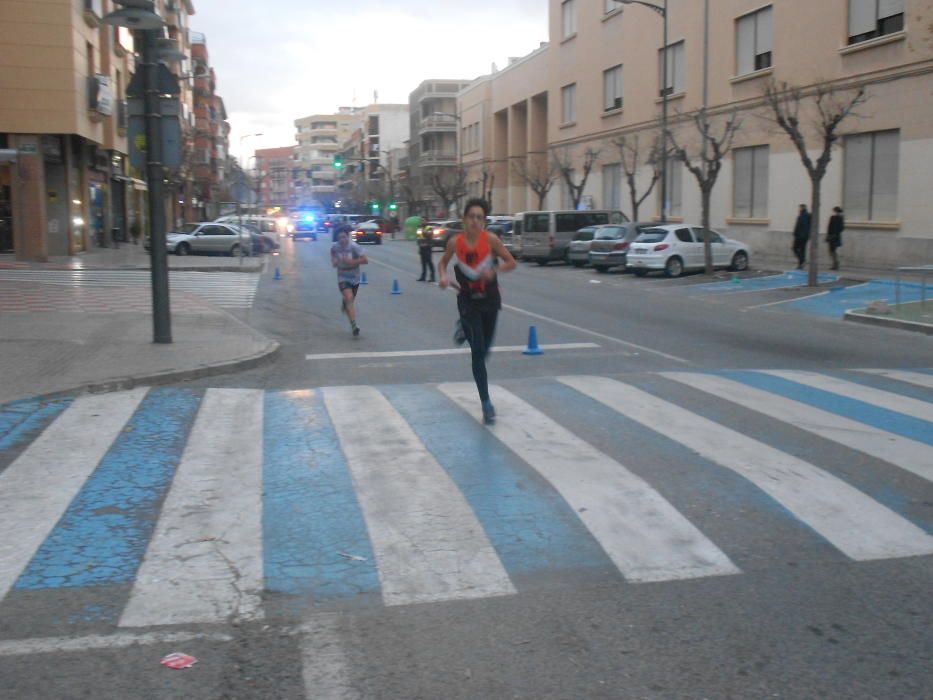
424	251
801	236
834	231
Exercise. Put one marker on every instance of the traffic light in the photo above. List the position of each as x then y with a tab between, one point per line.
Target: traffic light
393	206
338	162
375	206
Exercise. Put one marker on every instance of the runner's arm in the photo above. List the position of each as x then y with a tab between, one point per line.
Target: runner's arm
506	261
442	280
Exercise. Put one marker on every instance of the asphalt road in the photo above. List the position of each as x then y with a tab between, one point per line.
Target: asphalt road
767	592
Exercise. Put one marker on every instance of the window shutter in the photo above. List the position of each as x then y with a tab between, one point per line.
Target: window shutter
742	179
889	8
745	44
763	31
861	17
857	177
760	177
884	180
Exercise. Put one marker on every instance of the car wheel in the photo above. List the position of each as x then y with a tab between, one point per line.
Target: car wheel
600	268
182	249
674	267
739	261
235	249
378	241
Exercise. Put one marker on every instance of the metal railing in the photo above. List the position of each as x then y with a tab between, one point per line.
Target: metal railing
923	270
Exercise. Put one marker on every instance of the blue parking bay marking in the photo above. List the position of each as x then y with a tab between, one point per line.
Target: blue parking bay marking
890	421
314	536
530	525
102	536
856	297
21	420
791	278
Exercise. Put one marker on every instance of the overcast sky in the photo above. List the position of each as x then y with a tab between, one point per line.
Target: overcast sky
278	60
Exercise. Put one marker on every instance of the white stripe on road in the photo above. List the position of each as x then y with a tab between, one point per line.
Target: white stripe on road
918	378
910	455
855	524
35	490
442	351
121	640
643	534
883	399
204	562
323	661
428	544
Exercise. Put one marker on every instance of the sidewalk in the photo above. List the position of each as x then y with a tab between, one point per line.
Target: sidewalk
57	339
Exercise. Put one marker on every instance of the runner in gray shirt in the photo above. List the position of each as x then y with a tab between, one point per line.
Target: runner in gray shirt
347	257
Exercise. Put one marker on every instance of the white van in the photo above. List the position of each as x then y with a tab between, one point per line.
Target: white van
546	235
270	225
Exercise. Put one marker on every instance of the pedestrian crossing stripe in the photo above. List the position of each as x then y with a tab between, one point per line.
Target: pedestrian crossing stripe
203	504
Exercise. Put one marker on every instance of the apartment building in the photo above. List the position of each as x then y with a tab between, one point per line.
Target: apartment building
211	135
604	80
319	138
434	120
274	169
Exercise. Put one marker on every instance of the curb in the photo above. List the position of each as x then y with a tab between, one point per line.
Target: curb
249	362
872	320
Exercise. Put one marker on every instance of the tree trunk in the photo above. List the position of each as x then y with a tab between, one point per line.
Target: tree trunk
706	195
814	246
634	199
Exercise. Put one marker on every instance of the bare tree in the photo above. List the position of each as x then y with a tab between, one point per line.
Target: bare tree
706	162
540	176
565	166
629	157
489	179
449	184
827	107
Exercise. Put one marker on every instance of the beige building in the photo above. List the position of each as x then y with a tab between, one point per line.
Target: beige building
600	78
319	138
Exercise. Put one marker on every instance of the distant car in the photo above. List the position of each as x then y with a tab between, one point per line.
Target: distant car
261	242
673	248
611	243
368	232
511	239
443	231
335	223
208	237
306	226
579	249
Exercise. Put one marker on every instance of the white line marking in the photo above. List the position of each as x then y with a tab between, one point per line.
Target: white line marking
204	562
854	523
323	661
917	378
902	452
643	534
35	490
784	301
442	351
55	645
570	326
429	546
867	394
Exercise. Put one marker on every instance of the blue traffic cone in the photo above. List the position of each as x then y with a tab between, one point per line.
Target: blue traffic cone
395	288
363	279
278	273
532	348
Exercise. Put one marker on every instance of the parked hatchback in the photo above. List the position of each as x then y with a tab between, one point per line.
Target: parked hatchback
673	248
579	250
208	237
611	243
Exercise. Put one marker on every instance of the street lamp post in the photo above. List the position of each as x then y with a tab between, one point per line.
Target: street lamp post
140	15
661	10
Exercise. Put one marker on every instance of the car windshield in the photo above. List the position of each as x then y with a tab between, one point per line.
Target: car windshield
652	235
610	232
186	228
584	234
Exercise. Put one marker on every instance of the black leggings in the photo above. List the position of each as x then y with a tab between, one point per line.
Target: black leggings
479	325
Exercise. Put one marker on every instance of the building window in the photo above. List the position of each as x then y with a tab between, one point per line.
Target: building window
674	181
750	182
569	16
753	37
870	174
612	186
612	88
872	18
568	98
673	82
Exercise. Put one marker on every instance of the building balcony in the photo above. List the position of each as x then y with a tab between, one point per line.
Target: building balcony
437	92
434	158
437	124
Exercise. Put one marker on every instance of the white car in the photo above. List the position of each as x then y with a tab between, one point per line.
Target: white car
673	248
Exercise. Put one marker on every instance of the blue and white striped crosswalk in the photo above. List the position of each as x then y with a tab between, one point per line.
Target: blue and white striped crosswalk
191	506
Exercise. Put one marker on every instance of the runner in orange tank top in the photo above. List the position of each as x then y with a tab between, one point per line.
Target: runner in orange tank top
479	257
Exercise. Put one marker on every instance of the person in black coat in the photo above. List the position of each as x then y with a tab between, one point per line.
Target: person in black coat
801	236
834	234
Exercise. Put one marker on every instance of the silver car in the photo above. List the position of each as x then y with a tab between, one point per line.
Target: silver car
611	243
208	237
579	250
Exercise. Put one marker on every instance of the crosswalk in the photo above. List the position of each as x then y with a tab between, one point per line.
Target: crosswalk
202	506
233	290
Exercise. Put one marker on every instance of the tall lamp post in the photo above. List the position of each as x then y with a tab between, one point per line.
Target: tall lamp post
140	15
459	147
661	10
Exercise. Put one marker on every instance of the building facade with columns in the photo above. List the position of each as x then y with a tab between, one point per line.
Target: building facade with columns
600	78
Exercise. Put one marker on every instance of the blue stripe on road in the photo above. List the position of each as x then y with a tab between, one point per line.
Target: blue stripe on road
315	539
21	421
531	527
859	296
791	278
102	537
881	418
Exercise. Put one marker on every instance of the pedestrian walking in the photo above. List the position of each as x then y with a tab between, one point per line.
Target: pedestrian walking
801	236
837	224
480	256
425	251
347	256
